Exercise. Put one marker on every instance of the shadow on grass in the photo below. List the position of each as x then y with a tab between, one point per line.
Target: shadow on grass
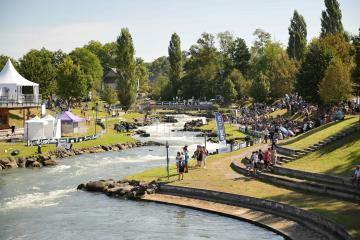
14	116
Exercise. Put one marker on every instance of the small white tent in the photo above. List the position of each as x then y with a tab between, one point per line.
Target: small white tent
35	129
52	129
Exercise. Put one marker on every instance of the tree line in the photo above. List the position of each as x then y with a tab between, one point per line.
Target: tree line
322	71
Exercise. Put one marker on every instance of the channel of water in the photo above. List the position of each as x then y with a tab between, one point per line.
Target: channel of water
44	204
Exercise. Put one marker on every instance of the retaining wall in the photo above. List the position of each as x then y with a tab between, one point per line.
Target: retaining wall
311	220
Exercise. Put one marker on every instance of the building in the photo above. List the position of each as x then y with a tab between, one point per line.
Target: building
110	79
16	92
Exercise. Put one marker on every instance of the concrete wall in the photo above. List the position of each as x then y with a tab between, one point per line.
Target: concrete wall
285	151
311	220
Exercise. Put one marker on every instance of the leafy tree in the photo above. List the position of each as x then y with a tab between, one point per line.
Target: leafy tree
90	64
3	60
126	69
297	37
241	84
331	19
260	88
71	81
110	95
142	74
262	40
161	88
159	66
228	91
282	76
175	59
37	66
106	53
336	86
58	57
203	69
312	70
356	46
240	55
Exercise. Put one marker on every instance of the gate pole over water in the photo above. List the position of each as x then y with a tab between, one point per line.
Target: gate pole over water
167	159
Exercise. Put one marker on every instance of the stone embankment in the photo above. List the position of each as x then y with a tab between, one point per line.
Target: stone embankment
133	189
37	160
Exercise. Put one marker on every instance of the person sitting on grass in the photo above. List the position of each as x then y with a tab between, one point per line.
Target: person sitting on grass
180	164
356	177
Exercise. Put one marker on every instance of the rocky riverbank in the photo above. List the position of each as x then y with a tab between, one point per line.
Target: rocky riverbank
121	189
37	161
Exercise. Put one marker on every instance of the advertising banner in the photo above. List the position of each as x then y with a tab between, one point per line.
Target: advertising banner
220	128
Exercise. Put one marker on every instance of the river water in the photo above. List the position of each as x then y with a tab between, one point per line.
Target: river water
44	204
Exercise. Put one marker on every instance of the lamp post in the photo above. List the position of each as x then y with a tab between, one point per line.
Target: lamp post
205	138
96	112
167	159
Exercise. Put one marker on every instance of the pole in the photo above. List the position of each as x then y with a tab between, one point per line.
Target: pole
205	136
167	159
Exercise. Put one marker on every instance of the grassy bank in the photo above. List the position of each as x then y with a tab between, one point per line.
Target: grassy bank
219	176
233	131
318	134
337	158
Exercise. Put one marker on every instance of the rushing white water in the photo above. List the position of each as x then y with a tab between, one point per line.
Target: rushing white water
43	203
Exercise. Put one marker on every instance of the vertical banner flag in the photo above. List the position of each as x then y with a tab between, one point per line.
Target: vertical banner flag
220	128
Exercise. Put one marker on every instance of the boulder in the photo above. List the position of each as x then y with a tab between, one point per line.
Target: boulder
96	186
36	164
50	162
11	163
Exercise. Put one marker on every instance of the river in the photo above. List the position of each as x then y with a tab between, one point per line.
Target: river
44	204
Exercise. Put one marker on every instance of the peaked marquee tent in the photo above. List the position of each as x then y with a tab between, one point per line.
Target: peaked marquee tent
70	122
12	83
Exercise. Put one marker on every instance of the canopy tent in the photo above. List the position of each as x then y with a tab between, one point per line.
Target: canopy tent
12	83
70	122
35	129
53	128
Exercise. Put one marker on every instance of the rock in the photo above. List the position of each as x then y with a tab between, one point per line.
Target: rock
81	186
11	163
97	186
50	162
36	164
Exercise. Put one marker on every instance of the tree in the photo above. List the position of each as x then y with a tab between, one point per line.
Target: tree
336	86
106	53
297	37
282	76
90	65
3	60
356	46
175	59
241	84
331	19
260	88
71	81
37	66
110	95
142	75
228	91
312	70
240	55
161	88
159	66
262	40
203	69
126	67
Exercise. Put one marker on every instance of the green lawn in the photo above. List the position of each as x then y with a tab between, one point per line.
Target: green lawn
233	131
312	137
337	158
218	176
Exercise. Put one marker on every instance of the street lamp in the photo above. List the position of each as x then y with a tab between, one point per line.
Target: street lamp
167	159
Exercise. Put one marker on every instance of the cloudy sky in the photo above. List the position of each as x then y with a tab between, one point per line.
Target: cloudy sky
66	24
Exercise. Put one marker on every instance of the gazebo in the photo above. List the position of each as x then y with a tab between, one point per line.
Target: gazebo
11	88
70	123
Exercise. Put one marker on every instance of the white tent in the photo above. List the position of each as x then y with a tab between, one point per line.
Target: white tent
35	129
12	83
52	129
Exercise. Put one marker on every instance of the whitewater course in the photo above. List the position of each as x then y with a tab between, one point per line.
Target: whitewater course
44	203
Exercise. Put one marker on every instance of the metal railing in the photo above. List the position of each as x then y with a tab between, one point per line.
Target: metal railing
20	100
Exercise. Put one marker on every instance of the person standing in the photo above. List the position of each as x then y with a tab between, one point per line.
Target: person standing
267	158
273	155
204	153
186	156
198	155
180	164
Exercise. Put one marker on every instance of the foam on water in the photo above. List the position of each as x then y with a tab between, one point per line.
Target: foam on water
36	200
58	169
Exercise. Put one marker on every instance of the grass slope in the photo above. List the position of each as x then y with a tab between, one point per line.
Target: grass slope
219	176
318	134
233	131
337	158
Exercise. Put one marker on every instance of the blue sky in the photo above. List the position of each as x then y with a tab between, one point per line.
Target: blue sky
66	24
